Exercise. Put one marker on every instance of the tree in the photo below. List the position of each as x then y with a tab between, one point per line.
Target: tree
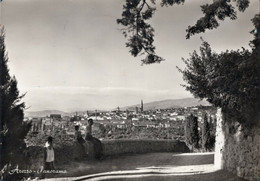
229	80
137	13
206	134
191	132
212	127
11	114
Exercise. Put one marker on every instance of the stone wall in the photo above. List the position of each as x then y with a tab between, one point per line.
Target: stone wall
220	141
116	147
74	152
63	154
237	148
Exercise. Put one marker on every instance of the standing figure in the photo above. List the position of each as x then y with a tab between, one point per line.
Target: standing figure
49	155
89	130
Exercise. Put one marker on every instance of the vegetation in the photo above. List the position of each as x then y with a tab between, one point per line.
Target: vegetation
200	135
192	137
13	129
143	133
206	134
109	132
212	130
39	138
229	80
137	13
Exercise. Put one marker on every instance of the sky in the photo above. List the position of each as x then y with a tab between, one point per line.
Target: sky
70	55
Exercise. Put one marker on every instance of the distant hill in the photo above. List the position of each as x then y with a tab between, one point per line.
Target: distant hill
44	113
170	103
164	104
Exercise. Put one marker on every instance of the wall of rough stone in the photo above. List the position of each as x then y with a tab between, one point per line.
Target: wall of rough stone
74	152
237	148
220	141
116	147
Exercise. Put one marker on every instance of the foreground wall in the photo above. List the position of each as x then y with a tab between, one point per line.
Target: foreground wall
63	154
237	148
116	147
74	152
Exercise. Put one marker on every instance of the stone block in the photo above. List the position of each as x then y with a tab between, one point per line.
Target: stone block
240	172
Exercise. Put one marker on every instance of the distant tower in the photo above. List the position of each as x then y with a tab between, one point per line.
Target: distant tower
127	113
142	106
136	110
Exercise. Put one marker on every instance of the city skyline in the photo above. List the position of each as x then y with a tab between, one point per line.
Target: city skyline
70	55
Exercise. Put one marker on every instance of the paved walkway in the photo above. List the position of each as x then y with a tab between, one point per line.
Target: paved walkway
148	167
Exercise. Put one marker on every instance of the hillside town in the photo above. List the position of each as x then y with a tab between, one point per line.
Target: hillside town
136	123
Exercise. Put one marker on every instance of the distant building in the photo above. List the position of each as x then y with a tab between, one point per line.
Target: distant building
46	124
145	124
181	117
55	116
66	118
121	125
135	119
136	110
36	124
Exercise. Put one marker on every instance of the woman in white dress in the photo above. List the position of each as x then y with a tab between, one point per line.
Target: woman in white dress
49	155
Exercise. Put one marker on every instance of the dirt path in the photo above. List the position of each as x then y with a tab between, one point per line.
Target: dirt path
151	166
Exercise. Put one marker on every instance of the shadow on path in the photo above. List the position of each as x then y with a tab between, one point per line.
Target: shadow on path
213	176
150	166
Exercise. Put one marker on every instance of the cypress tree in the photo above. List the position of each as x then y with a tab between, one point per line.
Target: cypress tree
12	128
206	138
191	132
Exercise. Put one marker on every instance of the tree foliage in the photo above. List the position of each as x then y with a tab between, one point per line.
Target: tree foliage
140	34
191	132
13	129
217	10
134	18
255	43
229	79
